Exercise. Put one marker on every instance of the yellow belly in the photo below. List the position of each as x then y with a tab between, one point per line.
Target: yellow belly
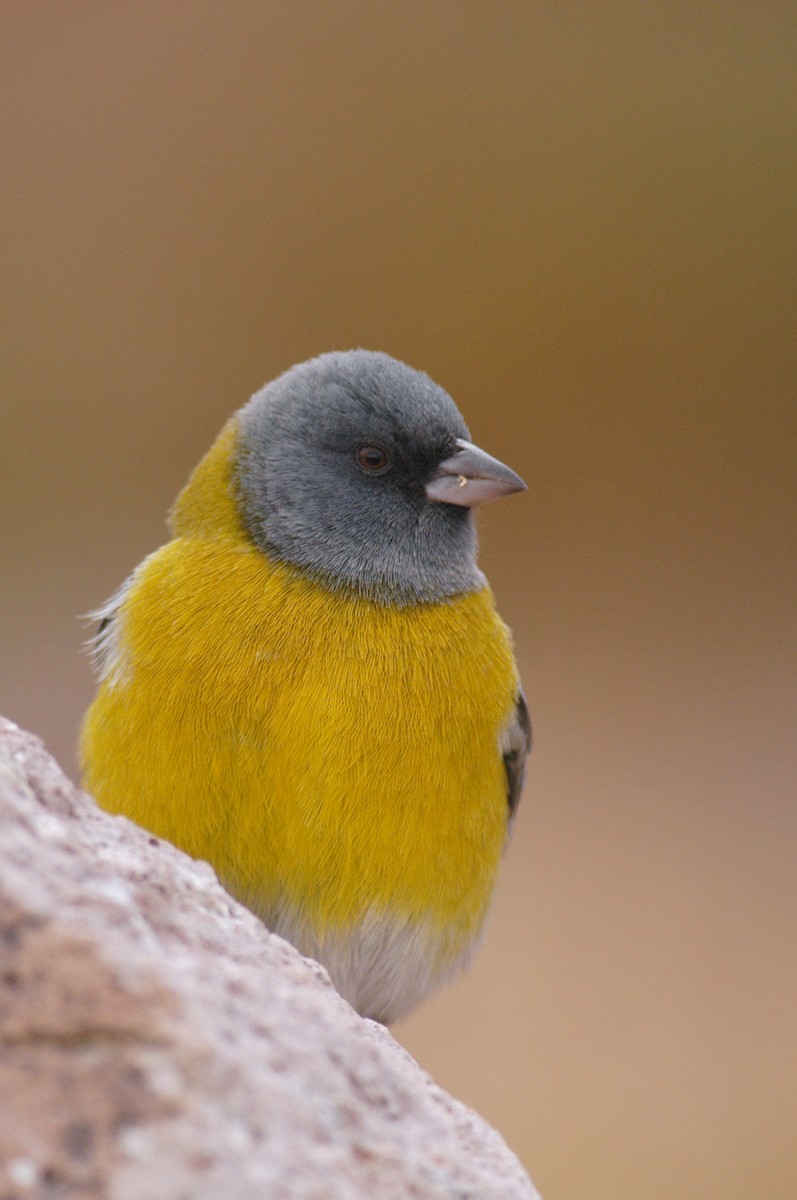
326	754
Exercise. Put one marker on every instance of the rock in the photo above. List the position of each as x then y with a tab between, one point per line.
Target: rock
157	1042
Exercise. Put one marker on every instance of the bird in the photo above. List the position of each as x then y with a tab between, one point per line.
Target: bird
309	685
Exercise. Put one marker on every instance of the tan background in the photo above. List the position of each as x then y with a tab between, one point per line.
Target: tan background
580	219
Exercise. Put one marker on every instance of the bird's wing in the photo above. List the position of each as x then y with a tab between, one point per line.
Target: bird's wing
515	748
102	646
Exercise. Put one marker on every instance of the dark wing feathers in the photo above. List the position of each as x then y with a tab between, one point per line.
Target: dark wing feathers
515	748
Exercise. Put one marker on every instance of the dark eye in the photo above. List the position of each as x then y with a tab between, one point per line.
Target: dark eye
372	459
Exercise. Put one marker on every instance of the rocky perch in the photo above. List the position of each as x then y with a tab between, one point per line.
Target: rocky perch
157	1042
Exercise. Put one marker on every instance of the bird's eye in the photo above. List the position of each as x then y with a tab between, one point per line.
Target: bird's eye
372	459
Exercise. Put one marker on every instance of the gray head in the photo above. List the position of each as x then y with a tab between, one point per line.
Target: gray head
356	468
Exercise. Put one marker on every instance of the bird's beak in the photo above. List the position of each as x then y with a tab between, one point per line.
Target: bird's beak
470	477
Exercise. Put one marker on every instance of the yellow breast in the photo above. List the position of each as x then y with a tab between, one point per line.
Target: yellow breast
320	750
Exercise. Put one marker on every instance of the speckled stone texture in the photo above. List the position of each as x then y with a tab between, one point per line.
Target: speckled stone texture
157	1042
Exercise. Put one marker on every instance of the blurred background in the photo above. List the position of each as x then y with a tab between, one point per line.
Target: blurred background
580	220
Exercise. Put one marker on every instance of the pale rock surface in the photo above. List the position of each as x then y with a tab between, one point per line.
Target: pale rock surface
157	1043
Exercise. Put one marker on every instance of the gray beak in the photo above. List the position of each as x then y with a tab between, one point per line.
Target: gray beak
469	477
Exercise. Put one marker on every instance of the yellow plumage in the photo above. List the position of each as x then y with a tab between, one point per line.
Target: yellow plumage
329	755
